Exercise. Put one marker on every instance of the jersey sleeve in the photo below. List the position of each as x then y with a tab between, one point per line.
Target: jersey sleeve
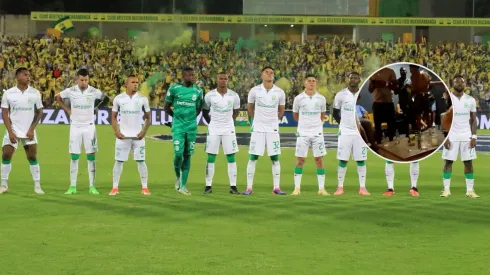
282	98
115	104
296	105
473	106
99	94
200	99
206	104
236	103
251	96
170	95
65	93
146	105
5	101
39	101
324	105
337	102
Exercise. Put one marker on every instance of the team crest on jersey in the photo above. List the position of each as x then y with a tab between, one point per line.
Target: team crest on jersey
466	104
230	103
88	99
194	97
274	98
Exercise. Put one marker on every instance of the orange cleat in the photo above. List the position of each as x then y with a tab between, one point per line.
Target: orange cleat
364	192
340	191
145	192
414	192
388	193
114	192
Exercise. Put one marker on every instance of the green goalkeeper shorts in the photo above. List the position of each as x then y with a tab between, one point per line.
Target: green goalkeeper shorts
184	143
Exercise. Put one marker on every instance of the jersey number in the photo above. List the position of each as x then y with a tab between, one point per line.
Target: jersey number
233	143
275	144
142	150
364	150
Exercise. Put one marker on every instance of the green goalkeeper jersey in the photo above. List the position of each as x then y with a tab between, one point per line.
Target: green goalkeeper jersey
187	101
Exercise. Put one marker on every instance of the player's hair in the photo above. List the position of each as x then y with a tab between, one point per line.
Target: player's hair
82	72
265	68
354	73
310	75
220	73
458	76
20	70
187	69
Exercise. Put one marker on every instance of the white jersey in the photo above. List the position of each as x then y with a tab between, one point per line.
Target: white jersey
131	109
266	108
345	100
221	111
82	104
22	107
462	107
309	109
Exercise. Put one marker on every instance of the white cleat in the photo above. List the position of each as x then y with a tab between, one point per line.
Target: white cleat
4	189
472	194
38	191
446	194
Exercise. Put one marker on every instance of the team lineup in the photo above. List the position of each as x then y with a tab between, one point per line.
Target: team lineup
22	111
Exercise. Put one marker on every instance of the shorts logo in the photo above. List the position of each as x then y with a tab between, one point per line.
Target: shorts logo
177	148
176	142
194	97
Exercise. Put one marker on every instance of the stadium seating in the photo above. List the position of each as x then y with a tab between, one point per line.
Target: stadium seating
53	63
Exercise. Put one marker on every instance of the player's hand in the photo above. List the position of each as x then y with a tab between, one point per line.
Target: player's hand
12	137
119	135
447	144
141	135
169	124
30	134
472	143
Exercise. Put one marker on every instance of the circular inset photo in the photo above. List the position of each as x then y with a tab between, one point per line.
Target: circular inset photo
400	108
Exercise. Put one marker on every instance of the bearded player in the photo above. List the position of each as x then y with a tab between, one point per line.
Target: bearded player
22	109
220	110
350	141
83	98
266	104
461	139
309	109
131	107
186	99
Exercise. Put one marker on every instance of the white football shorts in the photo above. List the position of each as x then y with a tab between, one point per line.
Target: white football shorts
24	141
229	143
124	146
459	147
85	135
316	143
259	141
354	145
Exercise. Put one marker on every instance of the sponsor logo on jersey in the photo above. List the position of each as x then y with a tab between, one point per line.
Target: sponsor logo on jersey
461	113
186	104
22	109
194	97
130	112
82	107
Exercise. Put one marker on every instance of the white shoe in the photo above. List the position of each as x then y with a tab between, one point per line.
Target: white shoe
38	190
177	184
4	189
446	193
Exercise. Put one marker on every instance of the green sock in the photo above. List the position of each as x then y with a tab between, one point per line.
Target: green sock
186	167
177	165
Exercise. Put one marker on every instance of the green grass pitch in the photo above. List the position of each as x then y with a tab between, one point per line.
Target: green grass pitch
167	233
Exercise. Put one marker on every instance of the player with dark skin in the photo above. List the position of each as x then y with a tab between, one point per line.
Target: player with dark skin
189	79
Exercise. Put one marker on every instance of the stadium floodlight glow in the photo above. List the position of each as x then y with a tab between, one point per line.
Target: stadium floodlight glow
292	26
265	25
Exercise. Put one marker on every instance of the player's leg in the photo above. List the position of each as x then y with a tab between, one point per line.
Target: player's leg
274	150
8	150
414	176
139	155
190	142
359	151
344	148
90	144
449	156
30	148
230	148
302	147
212	149
390	178
256	149
467	156
123	146
75	149
178	140
318	148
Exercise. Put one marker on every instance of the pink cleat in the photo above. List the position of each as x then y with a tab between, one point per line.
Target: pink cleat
340	191
364	192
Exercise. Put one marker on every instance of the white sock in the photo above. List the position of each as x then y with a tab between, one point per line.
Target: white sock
36	174
447	183
5	173
469	185
91	172
414	173
276	173
73	172
250	173
209	173
321	181
232	173
116	173
361	171
297	180
143	170
341	175
390	175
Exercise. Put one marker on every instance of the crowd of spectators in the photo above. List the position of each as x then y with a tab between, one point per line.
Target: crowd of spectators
53	63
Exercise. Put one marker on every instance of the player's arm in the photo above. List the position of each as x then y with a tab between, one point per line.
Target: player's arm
296	109
59	98
100	100
115	128
473	125
282	105
337	104
199	103
147	116
38	114
205	109
236	107
251	106
6	118
169	101
323	110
